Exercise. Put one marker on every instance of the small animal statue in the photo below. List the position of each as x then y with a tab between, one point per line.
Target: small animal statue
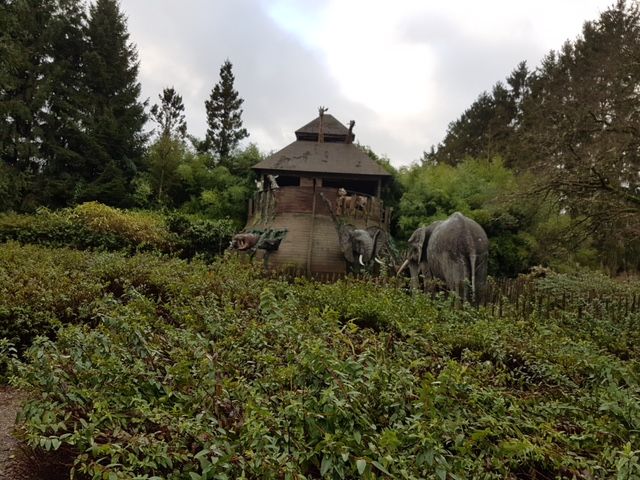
341	201
361	205
260	185
244	241
273	184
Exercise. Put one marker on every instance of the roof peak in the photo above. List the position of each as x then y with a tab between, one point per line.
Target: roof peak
327	128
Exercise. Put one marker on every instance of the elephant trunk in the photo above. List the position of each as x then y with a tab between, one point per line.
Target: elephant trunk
403	266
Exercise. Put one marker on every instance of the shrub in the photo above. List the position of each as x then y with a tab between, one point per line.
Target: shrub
96	226
170	369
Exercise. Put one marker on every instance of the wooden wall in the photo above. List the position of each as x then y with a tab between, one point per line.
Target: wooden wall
311	240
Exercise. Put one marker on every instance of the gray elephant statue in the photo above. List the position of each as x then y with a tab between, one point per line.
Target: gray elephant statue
455	250
361	247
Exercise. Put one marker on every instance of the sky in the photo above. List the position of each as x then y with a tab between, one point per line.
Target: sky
402	69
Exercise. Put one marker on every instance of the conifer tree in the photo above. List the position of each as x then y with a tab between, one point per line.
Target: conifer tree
169	114
224	116
24	60
64	139
116	116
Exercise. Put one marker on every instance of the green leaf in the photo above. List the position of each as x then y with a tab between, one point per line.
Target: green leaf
361	464
441	473
379	466
326	465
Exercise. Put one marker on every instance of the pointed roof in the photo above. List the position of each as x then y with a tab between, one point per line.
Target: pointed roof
334	155
333	130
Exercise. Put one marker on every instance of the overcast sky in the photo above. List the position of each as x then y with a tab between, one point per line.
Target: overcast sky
402	69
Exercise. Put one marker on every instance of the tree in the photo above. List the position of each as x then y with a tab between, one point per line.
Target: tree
169	114
168	150
64	139
224	114
41	96
116	116
24	60
583	129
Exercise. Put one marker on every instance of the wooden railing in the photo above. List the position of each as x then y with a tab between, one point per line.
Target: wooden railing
300	200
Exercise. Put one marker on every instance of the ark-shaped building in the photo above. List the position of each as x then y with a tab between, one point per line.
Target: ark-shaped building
310	188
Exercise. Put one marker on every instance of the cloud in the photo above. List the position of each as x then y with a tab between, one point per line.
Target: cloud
403	70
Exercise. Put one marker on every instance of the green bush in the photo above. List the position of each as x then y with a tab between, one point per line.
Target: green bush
99	227
170	369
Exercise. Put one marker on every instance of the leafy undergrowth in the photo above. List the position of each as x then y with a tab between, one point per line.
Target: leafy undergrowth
159	368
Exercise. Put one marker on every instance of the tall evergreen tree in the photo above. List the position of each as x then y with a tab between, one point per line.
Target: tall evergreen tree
64	139
24	61
116	116
224	116
41	85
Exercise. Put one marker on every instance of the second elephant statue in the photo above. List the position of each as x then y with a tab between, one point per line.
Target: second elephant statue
361	247
455	250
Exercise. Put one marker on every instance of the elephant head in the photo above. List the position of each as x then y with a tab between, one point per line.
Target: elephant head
244	241
416	258
360	247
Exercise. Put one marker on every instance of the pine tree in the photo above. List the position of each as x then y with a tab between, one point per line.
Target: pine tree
116	115
64	139
24	60
169	114
224	114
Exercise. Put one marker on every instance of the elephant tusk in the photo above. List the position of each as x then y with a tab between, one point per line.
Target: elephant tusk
360	260
403	266
379	261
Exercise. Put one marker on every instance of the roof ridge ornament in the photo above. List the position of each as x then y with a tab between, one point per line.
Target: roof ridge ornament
321	111
349	138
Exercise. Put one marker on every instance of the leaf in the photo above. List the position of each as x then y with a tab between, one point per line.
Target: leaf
379	466
361	464
326	465
441	473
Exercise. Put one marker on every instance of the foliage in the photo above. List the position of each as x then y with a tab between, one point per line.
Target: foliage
175	370
217	191
71	123
201	236
484	190
224	116
573	122
96	226
116	115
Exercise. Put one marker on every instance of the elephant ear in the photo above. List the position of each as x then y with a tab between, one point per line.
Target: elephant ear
345	234
418	240
379	239
427	232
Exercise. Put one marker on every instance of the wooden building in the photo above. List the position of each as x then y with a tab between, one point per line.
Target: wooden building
297	185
